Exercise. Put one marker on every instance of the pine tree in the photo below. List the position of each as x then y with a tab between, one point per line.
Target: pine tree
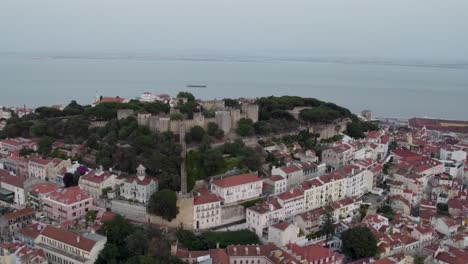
327	227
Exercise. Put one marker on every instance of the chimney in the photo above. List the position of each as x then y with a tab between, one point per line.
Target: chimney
235	250
217	245
258	250
246	250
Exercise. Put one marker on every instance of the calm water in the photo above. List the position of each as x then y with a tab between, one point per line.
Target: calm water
388	90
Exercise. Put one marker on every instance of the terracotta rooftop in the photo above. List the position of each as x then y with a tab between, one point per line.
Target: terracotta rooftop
68	238
281	225
145	181
39	160
31	231
205	197
95	176
13	180
44	188
19	213
68	195
236	180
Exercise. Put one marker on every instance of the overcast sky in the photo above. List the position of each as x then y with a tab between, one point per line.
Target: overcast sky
426	29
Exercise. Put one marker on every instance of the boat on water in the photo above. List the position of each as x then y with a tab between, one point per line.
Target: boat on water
196	86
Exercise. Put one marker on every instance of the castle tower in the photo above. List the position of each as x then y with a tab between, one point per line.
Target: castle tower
223	119
183	173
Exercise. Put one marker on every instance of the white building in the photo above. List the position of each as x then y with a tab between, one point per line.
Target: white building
237	188
449	153
65	247
296	173
278	184
292	202
355	184
139	188
14	184
207	210
38	167
283	233
375	220
445	225
327	188
424	234
261	216
93	182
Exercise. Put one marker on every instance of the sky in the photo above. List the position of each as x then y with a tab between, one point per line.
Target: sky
419	29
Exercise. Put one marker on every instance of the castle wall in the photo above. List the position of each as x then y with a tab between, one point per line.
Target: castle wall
223	119
250	111
124	113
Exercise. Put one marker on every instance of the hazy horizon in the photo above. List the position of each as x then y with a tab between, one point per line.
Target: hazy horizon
429	30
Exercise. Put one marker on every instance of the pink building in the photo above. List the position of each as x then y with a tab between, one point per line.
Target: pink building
67	204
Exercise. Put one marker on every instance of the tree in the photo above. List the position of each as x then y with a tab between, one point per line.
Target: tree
68	180
327	228
214	130
45	145
393	145
386	211
245	127
355	130
90	216
164	204
231	103
187	95
359	242
197	133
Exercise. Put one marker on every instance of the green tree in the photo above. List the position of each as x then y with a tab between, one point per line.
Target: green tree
359	242
393	145
386	211
327	228
90	217
245	127
231	103
187	95
197	133
355	130
45	145
164	204
214	130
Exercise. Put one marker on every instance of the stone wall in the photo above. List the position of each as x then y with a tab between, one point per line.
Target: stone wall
125	113
132	211
232	213
329	130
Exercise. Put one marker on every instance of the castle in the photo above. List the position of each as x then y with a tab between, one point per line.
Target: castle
225	117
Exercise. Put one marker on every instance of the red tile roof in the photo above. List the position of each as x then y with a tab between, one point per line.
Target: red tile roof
39	160
69	195
44	188
31	231
282	225
314	252
111	100
373	134
205	197
96	177
293	194
236	180
13	180
146	180
19	213
68	238
274	178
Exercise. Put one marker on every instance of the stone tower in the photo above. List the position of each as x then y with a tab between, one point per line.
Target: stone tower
183	173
